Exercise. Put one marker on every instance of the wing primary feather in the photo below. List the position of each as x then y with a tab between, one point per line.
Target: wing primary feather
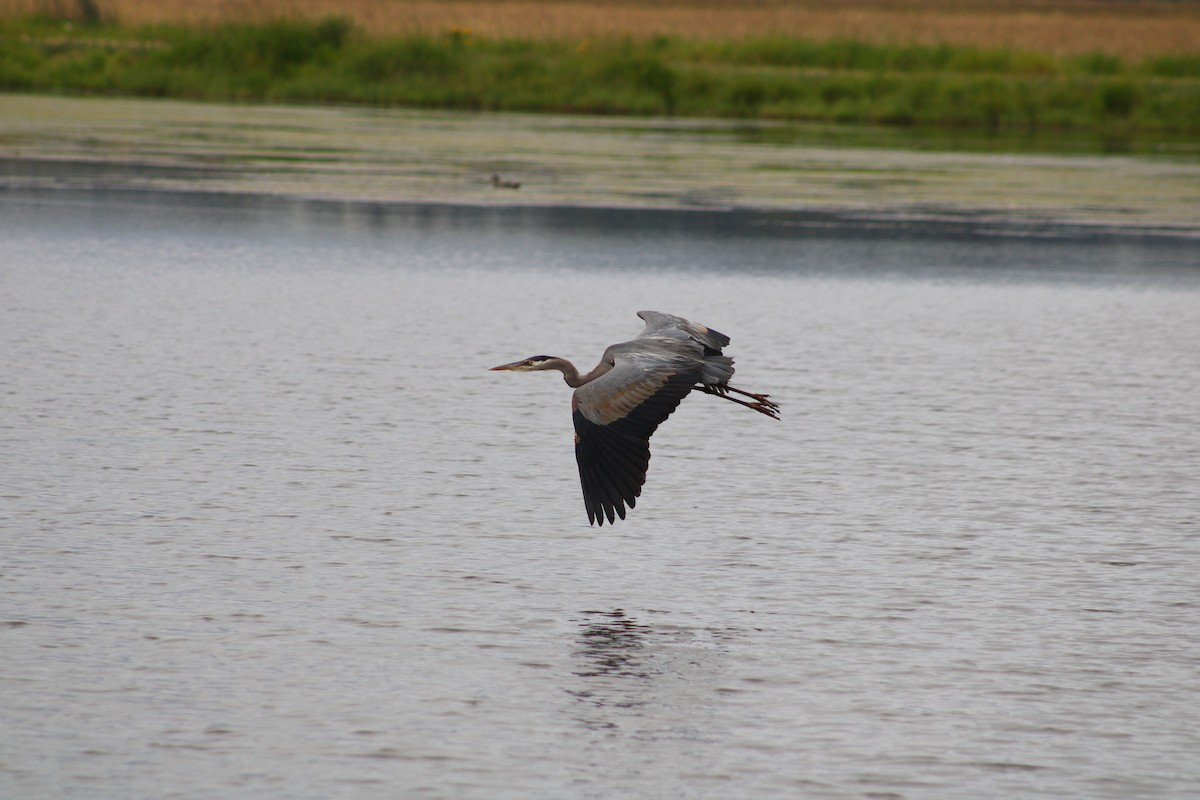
591	496
621	475
609	496
587	497
588	481
596	491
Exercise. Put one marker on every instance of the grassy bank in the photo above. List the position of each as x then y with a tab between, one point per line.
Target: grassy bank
759	77
1131	29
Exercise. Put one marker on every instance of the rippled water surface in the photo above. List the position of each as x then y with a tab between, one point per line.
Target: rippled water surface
272	530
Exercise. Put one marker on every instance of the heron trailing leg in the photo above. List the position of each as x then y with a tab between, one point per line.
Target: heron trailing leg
762	404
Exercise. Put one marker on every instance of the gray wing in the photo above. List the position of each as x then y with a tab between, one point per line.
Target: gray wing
716	369
659	324
616	414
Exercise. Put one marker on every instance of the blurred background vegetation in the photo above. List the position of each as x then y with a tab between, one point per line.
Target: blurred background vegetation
1120	66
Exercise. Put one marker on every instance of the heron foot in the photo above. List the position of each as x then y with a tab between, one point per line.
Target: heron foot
759	402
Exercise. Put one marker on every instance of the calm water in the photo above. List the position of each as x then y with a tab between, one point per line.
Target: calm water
271	529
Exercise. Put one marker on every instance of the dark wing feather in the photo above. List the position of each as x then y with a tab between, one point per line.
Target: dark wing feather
613	457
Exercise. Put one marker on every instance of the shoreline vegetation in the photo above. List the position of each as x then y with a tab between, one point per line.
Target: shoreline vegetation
472	57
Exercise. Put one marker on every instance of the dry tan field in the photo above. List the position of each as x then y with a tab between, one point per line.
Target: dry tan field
1127	28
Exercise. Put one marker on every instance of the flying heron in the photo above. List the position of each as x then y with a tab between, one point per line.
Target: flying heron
637	384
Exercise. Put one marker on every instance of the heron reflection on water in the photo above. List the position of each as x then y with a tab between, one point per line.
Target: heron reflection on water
613	666
638	384
610	643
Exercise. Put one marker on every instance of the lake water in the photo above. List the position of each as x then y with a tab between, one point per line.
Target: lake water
272	530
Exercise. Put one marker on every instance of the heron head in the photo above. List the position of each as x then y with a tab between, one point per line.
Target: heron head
531	364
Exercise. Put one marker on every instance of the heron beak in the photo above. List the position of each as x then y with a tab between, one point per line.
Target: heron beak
504	366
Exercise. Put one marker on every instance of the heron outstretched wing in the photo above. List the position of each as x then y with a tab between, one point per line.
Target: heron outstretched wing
616	414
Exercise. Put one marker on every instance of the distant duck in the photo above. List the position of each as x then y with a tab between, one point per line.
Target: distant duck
500	183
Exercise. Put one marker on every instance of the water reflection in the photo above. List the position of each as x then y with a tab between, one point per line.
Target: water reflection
647	681
610	643
102	175
615	669
747	242
917	138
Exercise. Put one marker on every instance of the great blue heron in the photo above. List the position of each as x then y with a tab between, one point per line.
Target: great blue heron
637	384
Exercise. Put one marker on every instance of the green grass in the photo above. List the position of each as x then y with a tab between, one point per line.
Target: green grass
766	78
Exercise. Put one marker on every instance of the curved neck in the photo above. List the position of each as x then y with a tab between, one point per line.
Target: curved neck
571	374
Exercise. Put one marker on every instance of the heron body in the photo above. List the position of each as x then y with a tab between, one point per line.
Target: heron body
638	384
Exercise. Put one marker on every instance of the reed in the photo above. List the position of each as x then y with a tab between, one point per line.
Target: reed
758	77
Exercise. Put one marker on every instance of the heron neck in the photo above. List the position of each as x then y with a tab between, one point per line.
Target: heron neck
571	374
